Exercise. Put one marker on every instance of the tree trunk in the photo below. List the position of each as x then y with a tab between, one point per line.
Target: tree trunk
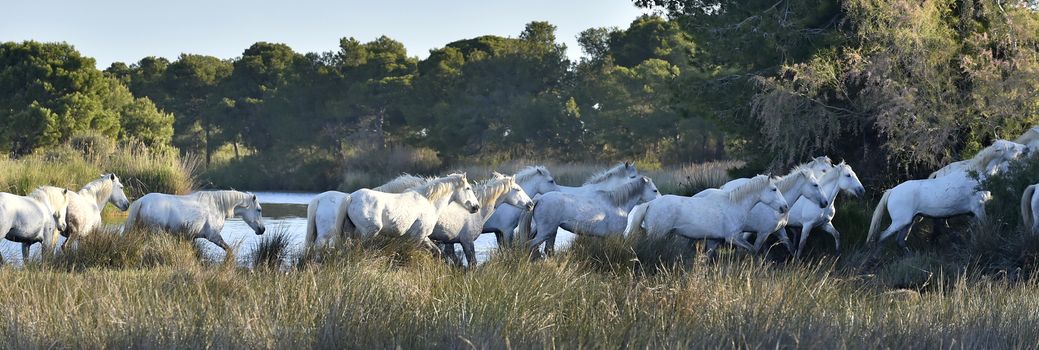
235	144
380	119
209	151
719	146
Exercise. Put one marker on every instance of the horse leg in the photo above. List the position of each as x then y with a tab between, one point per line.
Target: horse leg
550	245
710	247
25	252
500	238
469	248
902	235
828	227
741	242
448	251
219	240
759	241
805	230
540	236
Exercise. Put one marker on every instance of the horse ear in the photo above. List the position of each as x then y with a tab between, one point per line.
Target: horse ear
112	175
645	179
64	191
627	164
541	172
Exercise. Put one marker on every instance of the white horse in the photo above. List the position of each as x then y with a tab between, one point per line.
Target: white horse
1030	139
1030	209
720	215
84	214
616	175
988	162
458	225
807	215
534	180
321	211
950	195
198	215
598	213
413	213
34	218
763	221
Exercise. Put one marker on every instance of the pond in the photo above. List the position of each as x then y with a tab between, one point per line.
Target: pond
285	212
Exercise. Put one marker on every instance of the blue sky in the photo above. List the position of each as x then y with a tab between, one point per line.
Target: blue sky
123	30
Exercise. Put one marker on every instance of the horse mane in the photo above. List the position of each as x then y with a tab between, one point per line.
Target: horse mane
832	175
435	189
752	186
982	158
620	194
530	172
489	191
54	197
809	164
225	200
1029	136
401	184
787	182
102	187
605	175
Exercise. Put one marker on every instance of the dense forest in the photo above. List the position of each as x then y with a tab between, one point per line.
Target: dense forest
896	87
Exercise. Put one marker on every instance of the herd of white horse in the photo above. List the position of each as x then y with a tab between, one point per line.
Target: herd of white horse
437	213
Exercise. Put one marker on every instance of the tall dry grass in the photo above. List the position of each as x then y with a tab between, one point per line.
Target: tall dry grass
363	299
141	170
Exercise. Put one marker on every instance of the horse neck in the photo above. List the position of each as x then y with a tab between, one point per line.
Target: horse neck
746	204
442	202
528	186
489	199
831	186
225	201
795	191
98	191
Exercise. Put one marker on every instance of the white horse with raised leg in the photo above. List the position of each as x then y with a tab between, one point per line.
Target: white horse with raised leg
719	215
763	221
366	213
321	211
947	196
598	213
535	180
35	218
84	214
806	215
458	225
198	215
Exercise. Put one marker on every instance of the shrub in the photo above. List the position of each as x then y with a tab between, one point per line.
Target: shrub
108	249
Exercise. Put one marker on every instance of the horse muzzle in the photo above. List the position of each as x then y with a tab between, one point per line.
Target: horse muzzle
824	204
783	209
260	230
474	208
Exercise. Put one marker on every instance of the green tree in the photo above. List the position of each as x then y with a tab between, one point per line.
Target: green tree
49	92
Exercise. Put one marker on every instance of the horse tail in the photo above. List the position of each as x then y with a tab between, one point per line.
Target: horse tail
878	215
131	216
312	221
1026	207
526	219
635	219
343	218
